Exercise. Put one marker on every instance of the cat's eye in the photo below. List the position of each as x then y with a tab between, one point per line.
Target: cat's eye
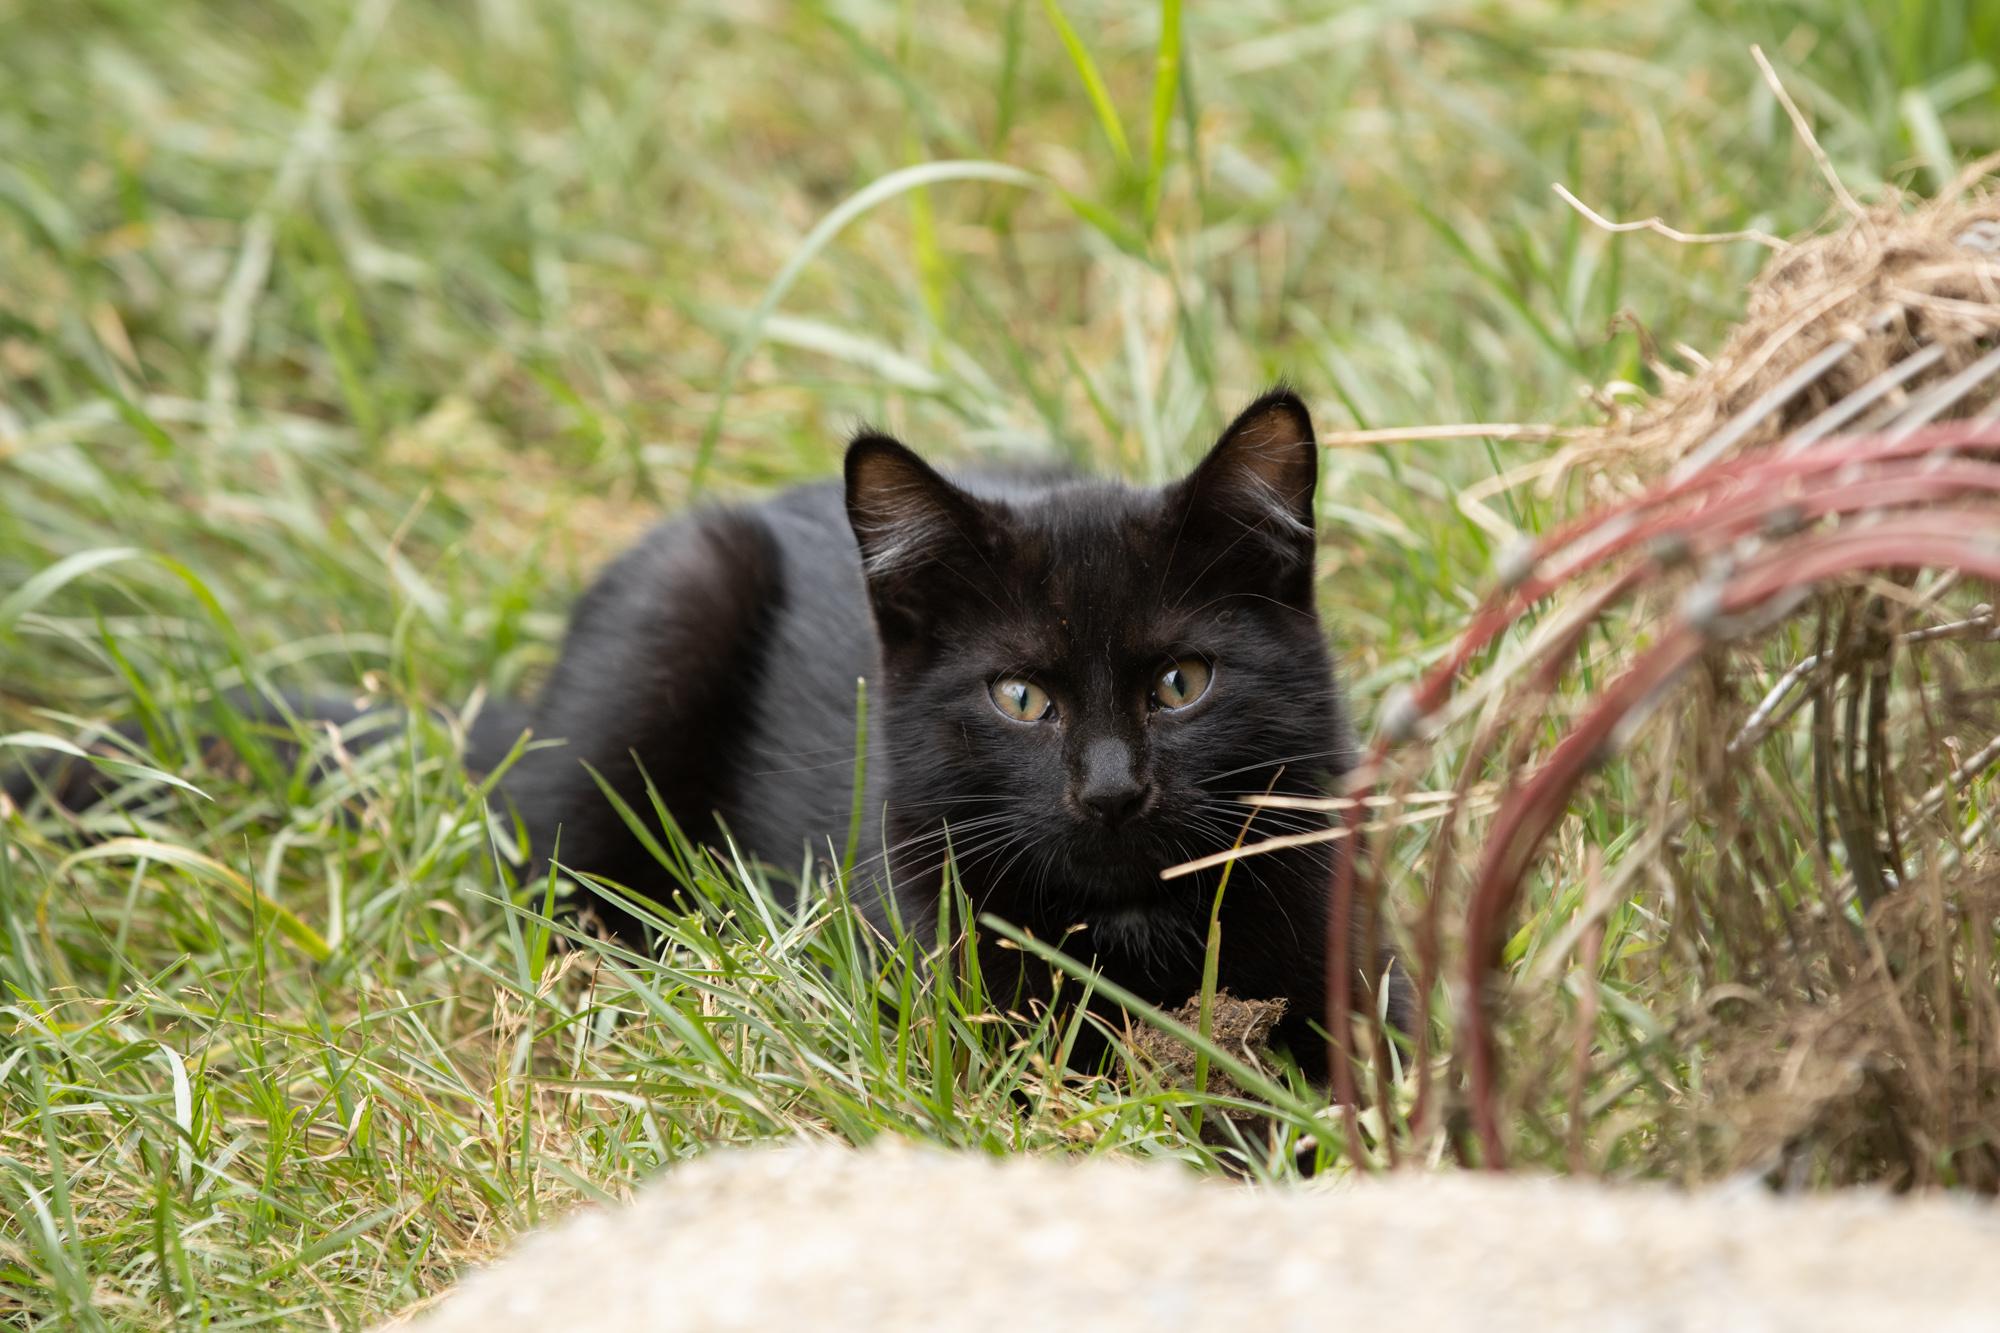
1021	700
1181	684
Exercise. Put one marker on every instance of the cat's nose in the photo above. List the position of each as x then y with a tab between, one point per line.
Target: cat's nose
1110	790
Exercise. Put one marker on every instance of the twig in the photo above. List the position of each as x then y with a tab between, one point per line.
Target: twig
1352	802
1656	225
1283	841
1979	623
1477	430
1804	130
1933	800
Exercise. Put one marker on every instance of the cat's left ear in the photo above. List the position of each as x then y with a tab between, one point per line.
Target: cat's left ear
1249	505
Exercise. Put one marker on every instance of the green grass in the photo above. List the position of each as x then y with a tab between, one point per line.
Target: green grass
339	342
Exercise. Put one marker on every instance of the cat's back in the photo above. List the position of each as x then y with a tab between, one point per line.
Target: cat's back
715	661
795	768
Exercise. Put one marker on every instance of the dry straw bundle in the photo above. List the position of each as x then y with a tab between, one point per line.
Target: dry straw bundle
1887	323
1722	759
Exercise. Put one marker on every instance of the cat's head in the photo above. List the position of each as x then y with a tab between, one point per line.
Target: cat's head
1084	678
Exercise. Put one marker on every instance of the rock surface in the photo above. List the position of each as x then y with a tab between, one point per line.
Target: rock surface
895	1238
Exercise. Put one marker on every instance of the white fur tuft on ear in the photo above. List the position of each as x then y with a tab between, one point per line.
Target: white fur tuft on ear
1261	473
1269	459
1266	504
906	547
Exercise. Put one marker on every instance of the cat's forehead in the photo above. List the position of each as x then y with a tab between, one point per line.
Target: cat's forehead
1090	563
1077	537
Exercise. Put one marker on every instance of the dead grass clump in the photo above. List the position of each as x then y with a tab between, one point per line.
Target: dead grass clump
1890	317
1875	1056
1725	745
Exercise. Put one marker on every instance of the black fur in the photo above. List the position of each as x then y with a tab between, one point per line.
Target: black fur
723	652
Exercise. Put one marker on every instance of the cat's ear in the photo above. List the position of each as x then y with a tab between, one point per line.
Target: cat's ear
1248	506
918	533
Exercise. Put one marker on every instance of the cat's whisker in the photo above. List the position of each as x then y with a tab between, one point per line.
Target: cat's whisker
1239	818
1331	752
929	843
1255	596
969	854
1028	843
949	831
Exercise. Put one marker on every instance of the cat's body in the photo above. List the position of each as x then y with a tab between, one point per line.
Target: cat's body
720	656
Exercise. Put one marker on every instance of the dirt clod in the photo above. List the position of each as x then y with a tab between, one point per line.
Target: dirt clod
1241	1027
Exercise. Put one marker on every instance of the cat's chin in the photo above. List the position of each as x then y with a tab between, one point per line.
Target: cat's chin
1117	879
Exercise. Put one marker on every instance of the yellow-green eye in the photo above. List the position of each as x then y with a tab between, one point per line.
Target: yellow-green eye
1181	684
1021	700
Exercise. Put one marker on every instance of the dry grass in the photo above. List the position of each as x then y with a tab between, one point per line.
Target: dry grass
1888	320
1768	641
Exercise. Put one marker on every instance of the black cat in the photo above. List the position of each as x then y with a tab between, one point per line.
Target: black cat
1074	684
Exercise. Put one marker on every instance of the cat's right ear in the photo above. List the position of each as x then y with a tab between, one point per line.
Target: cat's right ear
1247	509
917	531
